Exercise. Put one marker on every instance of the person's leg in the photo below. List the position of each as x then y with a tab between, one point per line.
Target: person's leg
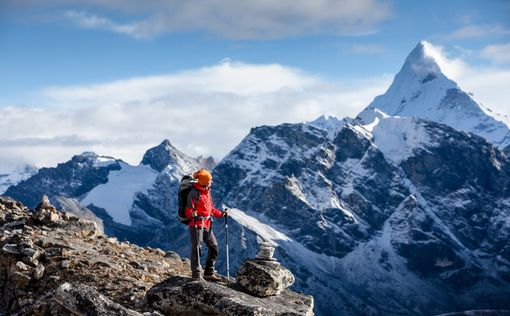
212	252
196	251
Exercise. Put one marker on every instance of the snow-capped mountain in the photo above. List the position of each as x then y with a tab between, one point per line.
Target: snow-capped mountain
421	89
74	178
404	216
133	202
137	202
397	212
20	173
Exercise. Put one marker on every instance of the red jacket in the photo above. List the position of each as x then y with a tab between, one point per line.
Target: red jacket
204	208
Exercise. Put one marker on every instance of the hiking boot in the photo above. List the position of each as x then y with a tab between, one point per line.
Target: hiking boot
197	277
213	277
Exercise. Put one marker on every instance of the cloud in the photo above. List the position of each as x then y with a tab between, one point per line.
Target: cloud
90	21
497	53
230	19
204	111
365	49
488	84
478	31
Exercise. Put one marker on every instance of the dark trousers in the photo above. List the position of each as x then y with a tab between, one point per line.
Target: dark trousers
197	236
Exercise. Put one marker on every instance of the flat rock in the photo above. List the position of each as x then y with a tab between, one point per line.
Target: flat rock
184	295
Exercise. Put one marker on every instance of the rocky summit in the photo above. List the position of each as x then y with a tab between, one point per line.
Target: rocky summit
179	295
56	263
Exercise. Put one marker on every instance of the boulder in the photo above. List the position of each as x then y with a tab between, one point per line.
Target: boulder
79	299
264	277
179	295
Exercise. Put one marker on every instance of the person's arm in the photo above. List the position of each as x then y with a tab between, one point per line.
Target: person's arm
217	213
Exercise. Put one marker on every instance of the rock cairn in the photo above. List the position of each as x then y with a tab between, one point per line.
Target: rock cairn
264	276
260	290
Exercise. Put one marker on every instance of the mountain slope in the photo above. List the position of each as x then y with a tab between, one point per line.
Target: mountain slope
421	89
424	223
138	202
17	175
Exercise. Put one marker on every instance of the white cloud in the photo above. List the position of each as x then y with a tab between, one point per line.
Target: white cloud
91	21
201	111
488	84
497	53
230	18
478	31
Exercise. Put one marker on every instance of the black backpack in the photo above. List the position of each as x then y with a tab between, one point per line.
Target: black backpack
185	187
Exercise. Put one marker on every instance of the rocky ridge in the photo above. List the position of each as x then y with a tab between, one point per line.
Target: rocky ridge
55	263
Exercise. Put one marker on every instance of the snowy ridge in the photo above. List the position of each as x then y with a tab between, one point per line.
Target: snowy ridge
422	90
138	195
391	203
117	195
20	173
268	146
329	123
312	260
399	137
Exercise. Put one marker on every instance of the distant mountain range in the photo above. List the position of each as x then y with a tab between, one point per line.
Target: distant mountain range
401	210
20	173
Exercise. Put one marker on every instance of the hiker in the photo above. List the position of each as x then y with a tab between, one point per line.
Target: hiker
199	209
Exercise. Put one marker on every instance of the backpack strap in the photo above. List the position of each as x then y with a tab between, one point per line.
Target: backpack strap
195	206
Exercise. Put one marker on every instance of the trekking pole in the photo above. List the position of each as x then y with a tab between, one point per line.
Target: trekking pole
226	238
198	245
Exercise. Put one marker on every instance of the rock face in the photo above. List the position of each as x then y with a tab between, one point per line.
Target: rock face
403	207
506	151
183	295
208	162
264	277
66	266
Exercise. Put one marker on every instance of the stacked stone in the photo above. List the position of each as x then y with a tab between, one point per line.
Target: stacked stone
264	281
45	213
264	276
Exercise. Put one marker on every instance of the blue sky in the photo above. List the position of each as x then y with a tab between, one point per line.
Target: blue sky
53	50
